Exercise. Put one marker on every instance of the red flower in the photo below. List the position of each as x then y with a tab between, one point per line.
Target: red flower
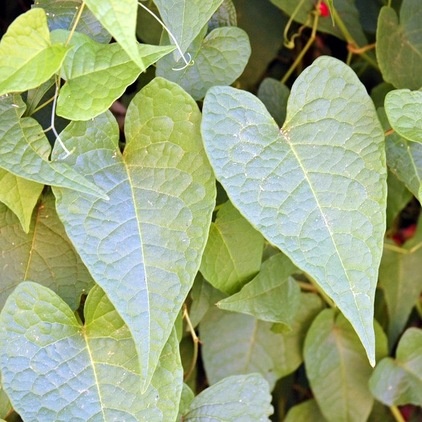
324	11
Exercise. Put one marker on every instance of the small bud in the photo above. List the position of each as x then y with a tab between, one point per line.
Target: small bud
324	11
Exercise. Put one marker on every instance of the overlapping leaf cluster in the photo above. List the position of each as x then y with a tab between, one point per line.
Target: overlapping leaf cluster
258	222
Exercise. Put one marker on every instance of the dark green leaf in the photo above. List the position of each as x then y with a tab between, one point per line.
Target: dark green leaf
274	95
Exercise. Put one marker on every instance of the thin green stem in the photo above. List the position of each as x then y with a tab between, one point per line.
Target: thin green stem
195	340
397	414
75	23
289	43
44	104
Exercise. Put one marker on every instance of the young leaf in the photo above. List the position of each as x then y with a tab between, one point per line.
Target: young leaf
240	344
305	412
61	14
186	18
399	381
241	398
119	18
218	59
337	368
44	254
400	279
24	150
97	74
271	296
143	246
399	45
317	187
403	108
27	56
20	195
79	373
233	252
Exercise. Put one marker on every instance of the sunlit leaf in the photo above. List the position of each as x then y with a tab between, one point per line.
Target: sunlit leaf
316	188
143	246
79	373
27	56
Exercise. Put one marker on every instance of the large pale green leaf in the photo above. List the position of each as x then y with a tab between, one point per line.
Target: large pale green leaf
185	18
24	150
274	95
271	296
346	9
119	18
404	111
80	373
317	187
241	398
20	195
337	368
234	251
218	59
61	14
400	278
399	45
236	343
143	246
27	56
399	381
44	254
97	74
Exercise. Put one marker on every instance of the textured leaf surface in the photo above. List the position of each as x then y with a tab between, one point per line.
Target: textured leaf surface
35	60
44	254
271	296
186	18
403	108
240	344
119	18
225	15
144	245
97	74
274	95
79	373
400	279
241	398
61	15
399	45
337	368
399	381
24	150
233	252
218	59
317	187
20	195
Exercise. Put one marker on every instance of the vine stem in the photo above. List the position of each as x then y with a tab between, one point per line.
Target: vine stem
195	340
75	24
188	62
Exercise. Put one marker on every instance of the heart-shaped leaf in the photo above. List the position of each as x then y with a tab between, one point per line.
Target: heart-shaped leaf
399	381
238	398
80	373
143	246
27	56
97	74
186	18
399	45
218	59
24	150
317	187
44	254
403	108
